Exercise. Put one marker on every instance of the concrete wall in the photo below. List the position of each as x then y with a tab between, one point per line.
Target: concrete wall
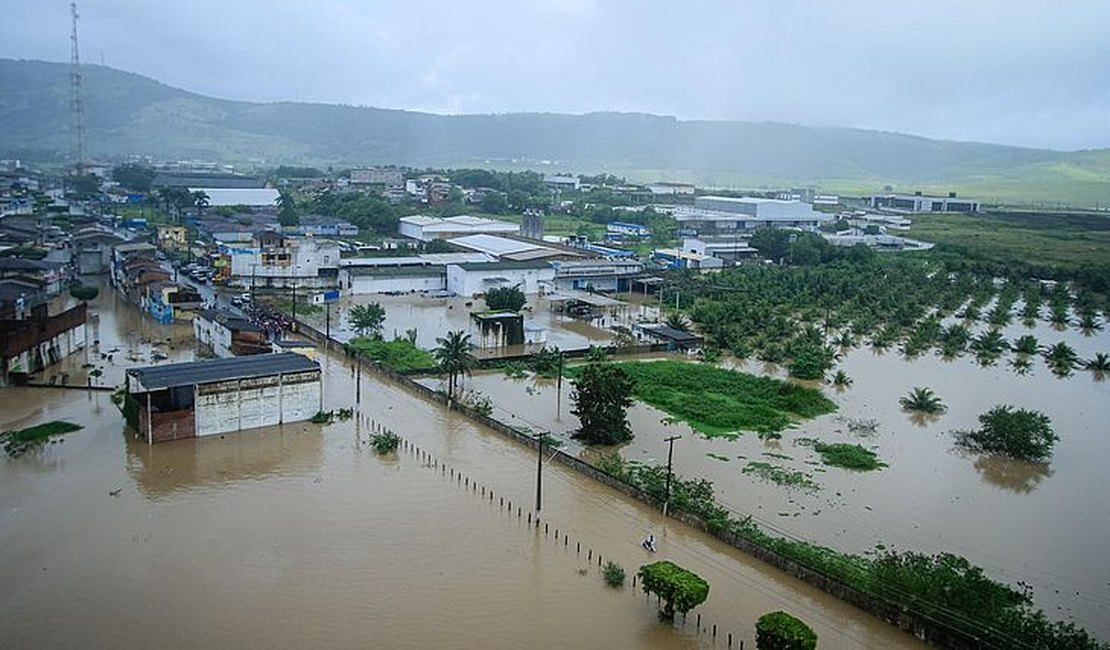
213	335
368	284
471	283
258	402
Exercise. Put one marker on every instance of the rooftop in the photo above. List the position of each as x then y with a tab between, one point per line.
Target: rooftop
154	378
218	196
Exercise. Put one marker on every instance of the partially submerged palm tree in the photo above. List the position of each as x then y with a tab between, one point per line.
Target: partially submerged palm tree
1061	358
841	379
1026	344
454	358
923	400
1099	365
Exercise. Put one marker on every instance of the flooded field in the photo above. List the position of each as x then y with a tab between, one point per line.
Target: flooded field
300	536
1045	526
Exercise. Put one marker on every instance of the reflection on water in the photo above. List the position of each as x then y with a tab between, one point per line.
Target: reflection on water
214	461
1015	475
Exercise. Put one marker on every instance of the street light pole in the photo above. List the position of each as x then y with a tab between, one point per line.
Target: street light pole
670	458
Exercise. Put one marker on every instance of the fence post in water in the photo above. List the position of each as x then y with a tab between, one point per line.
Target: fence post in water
730	639
590	556
699	615
714	630
578	547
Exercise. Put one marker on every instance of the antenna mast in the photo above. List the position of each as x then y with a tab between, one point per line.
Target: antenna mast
77	107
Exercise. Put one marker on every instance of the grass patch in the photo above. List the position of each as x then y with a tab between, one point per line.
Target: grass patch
20	441
719	402
780	476
719	457
399	354
848	456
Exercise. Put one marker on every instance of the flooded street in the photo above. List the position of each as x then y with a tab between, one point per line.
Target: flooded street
301	536
1022	522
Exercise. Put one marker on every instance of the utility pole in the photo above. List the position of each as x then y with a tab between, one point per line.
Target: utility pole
77	105
559	389
539	473
670	458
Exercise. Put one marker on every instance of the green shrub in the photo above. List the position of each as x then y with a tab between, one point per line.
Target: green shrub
781	631
613	574
848	456
399	354
385	442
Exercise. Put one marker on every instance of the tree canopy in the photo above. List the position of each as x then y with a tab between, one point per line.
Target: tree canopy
368	319
781	631
681	590
1017	433
601	399
505	299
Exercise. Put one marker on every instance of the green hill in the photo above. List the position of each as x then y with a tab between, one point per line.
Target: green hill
129	114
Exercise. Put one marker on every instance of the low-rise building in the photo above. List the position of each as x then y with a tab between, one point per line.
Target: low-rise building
220	197
562	183
674	258
620	230
729	249
725	215
674	339
596	274
429	228
228	335
377	176
34	341
277	260
473	279
202	398
918	202
168	302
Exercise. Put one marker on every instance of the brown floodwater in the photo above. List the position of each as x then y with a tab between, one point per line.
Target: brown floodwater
1044	525
300	535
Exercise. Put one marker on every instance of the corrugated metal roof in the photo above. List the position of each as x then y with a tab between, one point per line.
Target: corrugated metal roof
204	372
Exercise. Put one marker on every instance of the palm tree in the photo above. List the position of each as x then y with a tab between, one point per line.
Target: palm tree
1061	358
923	400
454	358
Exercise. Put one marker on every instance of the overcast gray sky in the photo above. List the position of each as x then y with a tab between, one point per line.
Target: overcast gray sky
1024	72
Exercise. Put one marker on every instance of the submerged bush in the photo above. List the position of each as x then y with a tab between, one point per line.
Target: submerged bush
613	574
1016	433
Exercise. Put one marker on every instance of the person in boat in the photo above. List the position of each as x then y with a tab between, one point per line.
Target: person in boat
649	543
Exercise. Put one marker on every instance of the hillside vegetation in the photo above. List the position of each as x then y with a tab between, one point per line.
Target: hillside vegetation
130	114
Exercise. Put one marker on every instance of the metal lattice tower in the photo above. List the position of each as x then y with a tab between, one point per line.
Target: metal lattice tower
76	106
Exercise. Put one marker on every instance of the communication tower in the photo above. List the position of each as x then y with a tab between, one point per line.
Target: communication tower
76	105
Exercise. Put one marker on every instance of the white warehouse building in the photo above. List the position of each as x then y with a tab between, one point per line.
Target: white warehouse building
429	228
725	214
472	279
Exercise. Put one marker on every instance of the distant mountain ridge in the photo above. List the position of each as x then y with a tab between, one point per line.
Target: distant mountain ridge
126	113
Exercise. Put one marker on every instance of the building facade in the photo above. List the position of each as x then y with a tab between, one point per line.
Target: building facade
202	398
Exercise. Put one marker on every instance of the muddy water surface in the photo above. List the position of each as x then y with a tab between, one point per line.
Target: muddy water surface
1045	525
300	536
